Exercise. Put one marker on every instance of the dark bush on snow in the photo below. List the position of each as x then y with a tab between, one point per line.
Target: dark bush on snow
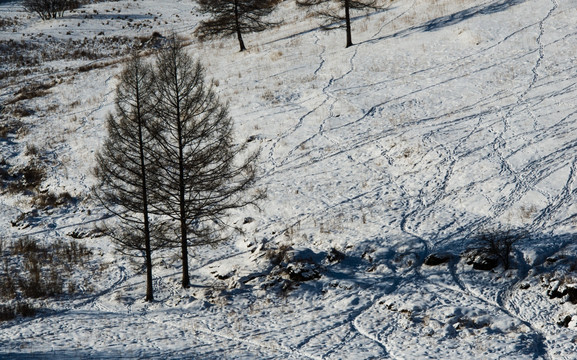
9	312
492	248
293	266
50	9
34	270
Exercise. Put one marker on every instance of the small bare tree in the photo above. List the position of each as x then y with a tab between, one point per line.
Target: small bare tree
203	174
234	17
499	244
123	165
50	9
331	15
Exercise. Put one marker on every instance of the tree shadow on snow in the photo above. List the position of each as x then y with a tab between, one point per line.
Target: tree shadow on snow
329	26
452	19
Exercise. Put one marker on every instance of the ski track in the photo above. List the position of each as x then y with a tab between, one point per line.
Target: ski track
500	303
524	180
219	335
523	185
476	118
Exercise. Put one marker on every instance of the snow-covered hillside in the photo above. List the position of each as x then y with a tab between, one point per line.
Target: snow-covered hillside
447	119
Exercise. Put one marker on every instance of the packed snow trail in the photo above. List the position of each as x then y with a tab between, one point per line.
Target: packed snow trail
444	120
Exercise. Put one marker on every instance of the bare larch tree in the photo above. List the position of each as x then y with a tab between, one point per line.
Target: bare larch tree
234	17
123	164
203	173
332	16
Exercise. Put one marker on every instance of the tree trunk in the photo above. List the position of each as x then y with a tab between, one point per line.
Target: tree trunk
149	289
237	24
184	248
181	190
182	199
348	21
148	251
241	43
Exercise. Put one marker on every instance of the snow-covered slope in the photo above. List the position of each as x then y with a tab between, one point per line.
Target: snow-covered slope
446	119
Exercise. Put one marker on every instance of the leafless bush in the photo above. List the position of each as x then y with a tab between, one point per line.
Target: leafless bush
33	284
33	270
9	312
20	179
7	285
52	200
495	246
32	150
50	9
278	255
34	53
25	309
10	128
21	111
25	246
71	252
32	91
6	23
25	178
291	267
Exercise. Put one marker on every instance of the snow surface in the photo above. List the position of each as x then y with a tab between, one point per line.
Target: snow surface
446	118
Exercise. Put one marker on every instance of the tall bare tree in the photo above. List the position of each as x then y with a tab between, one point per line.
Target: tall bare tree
234	17
331	15
203	173
123	165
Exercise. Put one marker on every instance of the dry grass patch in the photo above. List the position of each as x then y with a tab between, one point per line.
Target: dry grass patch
34	270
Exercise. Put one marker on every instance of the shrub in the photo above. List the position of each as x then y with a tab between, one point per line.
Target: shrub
26	178
50	9
51	200
25	309
290	267
31	285
31	91
25	246
7	285
5	23
495	246
10	128
9	312
34	270
278	255
72	252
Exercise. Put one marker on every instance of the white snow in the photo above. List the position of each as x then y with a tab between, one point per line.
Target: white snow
445	119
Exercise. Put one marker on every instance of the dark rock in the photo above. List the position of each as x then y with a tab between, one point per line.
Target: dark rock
556	294
480	259
437	259
565	322
335	256
551	260
485	262
303	272
572	293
